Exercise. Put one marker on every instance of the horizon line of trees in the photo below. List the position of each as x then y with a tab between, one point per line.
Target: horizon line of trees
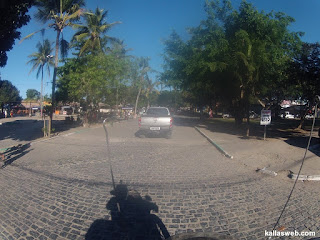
235	58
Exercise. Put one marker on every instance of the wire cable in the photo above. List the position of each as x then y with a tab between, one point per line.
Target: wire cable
304	157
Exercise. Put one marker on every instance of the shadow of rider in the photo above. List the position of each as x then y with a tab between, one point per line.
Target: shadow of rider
131	218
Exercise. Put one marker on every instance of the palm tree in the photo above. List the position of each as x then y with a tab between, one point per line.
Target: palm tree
150	86
140	73
40	60
60	14
119	50
92	35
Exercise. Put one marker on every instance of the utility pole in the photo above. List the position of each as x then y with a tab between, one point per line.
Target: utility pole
53	88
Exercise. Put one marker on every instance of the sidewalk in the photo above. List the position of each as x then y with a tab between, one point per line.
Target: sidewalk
275	154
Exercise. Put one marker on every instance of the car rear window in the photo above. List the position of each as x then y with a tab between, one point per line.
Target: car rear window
158	111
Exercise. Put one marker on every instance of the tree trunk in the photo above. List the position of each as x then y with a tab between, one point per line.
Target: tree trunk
301	122
137	100
248	124
41	92
239	111
238	117
56	60
117	110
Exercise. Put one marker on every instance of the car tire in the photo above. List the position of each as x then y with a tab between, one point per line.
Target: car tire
142	136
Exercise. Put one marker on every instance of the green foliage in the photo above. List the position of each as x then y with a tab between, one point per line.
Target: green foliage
91	36
32	94
234	57
60	14
8	93
41	59
13	16
305	72
89	78
172	99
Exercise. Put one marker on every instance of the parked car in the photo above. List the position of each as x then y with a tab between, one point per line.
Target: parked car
66	110
157	120
226	115
309	116
287	115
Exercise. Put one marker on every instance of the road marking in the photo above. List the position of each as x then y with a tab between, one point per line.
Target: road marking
68	134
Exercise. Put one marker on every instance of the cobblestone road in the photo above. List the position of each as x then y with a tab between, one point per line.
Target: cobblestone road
61	186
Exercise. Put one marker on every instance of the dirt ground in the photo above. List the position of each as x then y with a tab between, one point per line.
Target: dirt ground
282	151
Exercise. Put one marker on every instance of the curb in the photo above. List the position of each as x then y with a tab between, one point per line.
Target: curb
304	177
220	149
266	171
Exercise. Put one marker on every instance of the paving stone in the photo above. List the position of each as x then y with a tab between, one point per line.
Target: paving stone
55	194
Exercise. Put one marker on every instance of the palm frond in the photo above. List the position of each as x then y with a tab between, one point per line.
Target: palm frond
39	70
30	35
84	47
64	47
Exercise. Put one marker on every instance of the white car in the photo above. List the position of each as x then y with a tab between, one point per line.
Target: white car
309	116
288	115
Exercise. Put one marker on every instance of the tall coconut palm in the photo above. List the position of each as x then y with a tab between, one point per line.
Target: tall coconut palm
60	14
150	86
92	34
139	74
118	49
40	60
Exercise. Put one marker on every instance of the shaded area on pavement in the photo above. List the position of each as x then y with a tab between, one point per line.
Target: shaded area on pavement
21	130
185	121
279	129
302	142
31	129
14	153
131	218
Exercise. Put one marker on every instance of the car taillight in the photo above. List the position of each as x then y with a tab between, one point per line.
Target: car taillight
139	121
171	120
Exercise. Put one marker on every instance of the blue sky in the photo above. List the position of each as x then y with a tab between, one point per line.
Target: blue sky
145	23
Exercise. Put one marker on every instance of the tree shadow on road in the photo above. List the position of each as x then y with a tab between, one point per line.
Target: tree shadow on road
31	129
21	130
131	218
14	153
302	142
279	129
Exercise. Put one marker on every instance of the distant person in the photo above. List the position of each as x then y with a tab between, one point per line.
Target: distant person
5	113
11	113
210	113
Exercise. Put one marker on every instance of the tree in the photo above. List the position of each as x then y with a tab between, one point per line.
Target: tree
60	14
33	94
40	60
8	93
139	73
236	57
305	74
92	34
88	79
13	15
119	51
261	48
149	89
